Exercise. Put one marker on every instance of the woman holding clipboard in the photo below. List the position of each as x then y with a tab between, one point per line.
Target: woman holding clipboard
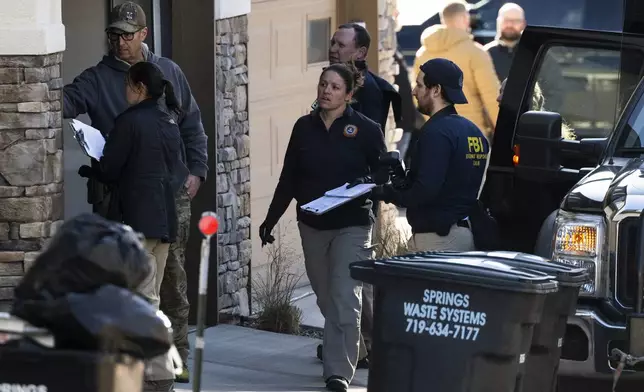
329	147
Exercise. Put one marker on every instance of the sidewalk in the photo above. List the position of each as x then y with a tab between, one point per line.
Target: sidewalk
250	360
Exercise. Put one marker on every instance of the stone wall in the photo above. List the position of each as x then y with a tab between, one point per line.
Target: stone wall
387	44
388	69
31	161
233	166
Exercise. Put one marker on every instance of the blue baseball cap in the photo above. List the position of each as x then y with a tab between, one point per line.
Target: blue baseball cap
448	75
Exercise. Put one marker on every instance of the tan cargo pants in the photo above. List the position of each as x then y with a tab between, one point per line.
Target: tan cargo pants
327	256
159	368
459	239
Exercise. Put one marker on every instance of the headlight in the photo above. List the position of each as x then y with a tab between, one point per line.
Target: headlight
578	241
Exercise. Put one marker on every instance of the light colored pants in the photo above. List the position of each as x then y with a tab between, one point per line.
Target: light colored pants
327	256
459	239
159	368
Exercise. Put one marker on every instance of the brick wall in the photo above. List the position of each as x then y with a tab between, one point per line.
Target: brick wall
31	162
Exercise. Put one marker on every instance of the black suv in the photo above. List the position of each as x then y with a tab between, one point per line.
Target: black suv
578	200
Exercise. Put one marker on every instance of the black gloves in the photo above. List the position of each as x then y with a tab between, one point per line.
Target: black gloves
361	180
86	171
265	234
383	193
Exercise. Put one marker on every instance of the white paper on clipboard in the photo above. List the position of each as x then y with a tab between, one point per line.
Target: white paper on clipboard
89	138
351	193
336	197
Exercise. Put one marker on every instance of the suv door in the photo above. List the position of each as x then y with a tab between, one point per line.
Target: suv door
577	73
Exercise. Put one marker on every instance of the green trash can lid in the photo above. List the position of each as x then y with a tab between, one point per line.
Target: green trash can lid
565	274
475	271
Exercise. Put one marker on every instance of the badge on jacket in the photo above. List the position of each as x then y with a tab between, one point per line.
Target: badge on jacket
350	131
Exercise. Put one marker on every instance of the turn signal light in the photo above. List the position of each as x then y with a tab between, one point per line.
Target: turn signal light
515	157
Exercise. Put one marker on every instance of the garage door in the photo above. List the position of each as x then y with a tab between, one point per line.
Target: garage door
286	53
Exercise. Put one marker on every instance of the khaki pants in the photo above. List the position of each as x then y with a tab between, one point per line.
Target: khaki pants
327	255
459	239
158	368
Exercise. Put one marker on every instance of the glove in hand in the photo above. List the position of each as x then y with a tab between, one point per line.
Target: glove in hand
383	193
86	171
265	234
360	180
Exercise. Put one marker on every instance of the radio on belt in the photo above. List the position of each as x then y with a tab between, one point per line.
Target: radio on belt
451	324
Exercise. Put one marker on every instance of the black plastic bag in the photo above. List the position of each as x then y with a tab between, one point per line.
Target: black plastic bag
110	319
87	252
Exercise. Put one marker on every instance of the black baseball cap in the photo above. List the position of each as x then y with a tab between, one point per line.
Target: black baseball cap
448	75
128	17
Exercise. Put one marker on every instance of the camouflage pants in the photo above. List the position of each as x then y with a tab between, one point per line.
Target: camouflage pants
174	295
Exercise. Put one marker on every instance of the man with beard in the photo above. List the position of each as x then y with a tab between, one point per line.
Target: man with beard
447	165
510	24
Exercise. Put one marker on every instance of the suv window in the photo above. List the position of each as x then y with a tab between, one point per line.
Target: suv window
582	85
631	137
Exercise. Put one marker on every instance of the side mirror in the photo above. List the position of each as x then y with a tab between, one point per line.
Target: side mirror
536	148
538	134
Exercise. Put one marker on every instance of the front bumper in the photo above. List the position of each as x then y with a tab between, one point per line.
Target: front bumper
587	345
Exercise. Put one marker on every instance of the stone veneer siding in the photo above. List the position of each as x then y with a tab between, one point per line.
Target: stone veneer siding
31	162
233	166
388	69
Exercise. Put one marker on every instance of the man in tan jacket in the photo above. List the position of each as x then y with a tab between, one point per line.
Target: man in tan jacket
452	40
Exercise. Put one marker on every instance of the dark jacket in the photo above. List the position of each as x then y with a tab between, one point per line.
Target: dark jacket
411	117
318	160
375	98
99	91
142	158
550	79
447	167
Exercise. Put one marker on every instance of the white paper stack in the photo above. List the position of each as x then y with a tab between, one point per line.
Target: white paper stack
90	139
336	197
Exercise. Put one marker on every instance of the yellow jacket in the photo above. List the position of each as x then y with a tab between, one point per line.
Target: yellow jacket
480	82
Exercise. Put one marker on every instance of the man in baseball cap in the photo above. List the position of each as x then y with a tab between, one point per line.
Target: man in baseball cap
447	164
99	91
128	17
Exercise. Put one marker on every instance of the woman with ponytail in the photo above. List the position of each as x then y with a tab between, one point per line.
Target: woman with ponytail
142	161
329	147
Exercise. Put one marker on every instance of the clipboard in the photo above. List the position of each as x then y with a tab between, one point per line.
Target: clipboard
334	198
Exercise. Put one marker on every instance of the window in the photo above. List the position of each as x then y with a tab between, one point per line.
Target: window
318	36
582	85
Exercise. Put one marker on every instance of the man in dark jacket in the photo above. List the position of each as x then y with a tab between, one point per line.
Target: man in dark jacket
510	24
447	164
351	42
99	91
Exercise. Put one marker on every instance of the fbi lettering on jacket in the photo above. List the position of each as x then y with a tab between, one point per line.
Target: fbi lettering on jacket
476	150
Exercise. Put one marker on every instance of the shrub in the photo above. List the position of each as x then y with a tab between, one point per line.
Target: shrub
274	290
392	241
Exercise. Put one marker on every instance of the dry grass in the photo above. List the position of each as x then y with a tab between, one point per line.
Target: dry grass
274	290
392	241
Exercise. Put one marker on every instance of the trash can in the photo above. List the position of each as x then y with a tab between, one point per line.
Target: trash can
451	324
542	363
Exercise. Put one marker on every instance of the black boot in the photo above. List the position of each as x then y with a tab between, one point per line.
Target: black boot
337	384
